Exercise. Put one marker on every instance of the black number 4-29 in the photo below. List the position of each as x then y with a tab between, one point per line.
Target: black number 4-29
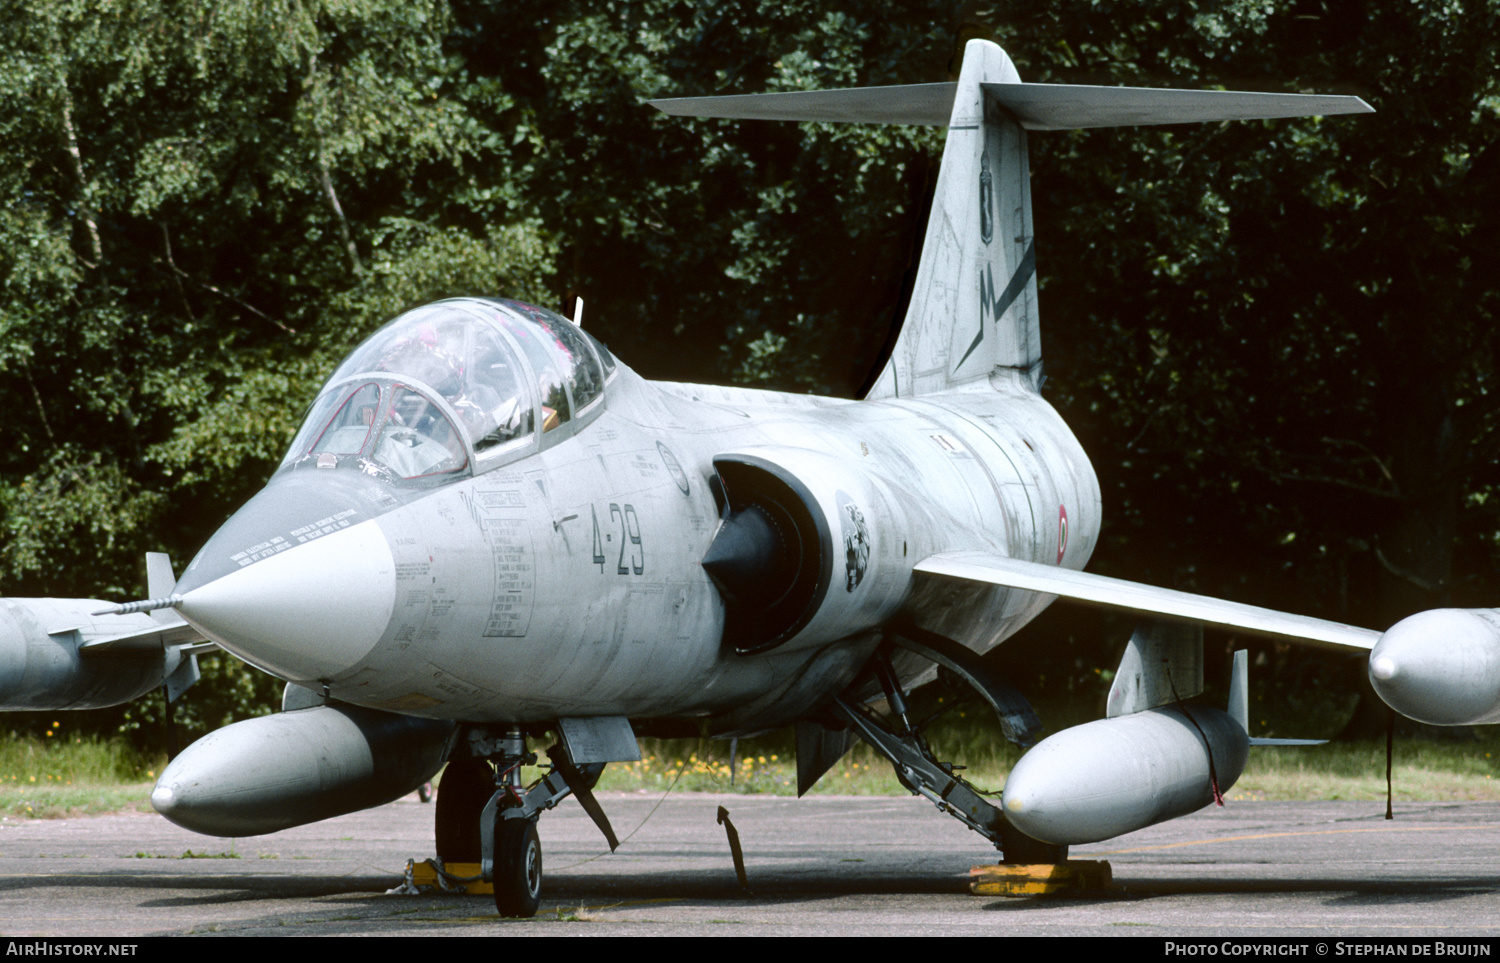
630	535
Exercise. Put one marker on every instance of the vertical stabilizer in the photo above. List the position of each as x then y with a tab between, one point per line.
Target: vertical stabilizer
974	304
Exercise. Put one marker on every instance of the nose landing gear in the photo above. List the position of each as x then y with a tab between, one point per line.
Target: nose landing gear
500	833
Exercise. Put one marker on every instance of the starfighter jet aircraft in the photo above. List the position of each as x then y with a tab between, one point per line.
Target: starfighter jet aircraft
489	528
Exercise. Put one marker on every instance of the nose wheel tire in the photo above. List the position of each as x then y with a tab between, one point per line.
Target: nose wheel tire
518	867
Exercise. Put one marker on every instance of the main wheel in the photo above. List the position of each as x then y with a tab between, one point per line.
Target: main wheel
466	786
518	867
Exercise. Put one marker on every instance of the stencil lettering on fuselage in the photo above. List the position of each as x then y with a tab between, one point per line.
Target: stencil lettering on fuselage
414	581
645	467
502	518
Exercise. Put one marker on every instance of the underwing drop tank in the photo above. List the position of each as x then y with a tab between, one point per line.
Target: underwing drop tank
271	773
1114	776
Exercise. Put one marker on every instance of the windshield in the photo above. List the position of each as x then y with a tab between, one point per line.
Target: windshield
384	428
416	438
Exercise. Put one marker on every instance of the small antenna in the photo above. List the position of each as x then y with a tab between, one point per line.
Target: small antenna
578	311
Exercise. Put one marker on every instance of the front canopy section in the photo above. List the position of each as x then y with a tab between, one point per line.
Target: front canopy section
453	388
388	428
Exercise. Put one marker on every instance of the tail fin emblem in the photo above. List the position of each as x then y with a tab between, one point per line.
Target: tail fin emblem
986	199
992	308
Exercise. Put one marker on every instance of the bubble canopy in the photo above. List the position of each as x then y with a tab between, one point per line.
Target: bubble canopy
452	388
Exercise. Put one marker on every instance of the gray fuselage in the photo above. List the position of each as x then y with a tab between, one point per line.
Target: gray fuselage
569	582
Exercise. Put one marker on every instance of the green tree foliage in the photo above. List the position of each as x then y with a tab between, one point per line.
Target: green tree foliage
771	253
206	206
1303	308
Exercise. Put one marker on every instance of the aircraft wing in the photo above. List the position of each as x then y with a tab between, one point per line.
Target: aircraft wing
153	638
1114	593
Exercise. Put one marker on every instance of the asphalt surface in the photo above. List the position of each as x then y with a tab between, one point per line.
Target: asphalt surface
825	866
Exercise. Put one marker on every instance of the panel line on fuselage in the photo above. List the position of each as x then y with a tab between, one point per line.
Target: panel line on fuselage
994	483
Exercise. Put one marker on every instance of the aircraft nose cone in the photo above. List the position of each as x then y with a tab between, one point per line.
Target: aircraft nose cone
1441	667
307	613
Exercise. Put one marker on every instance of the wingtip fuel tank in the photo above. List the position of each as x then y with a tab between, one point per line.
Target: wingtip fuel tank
1441	667
44	663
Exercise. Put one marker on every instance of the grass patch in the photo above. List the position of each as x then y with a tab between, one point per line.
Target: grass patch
694	766
957	731
189	854
1421	770
51	778
1459	768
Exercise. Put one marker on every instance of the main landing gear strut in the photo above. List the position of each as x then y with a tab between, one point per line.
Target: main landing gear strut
489	817
905	746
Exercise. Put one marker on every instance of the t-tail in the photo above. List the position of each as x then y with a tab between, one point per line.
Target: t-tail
974	304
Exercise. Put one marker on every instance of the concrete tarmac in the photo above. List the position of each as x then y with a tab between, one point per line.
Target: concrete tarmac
824	866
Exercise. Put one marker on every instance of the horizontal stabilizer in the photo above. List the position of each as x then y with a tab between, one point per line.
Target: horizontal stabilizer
1035	106
1117	593
1070	107
927	104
